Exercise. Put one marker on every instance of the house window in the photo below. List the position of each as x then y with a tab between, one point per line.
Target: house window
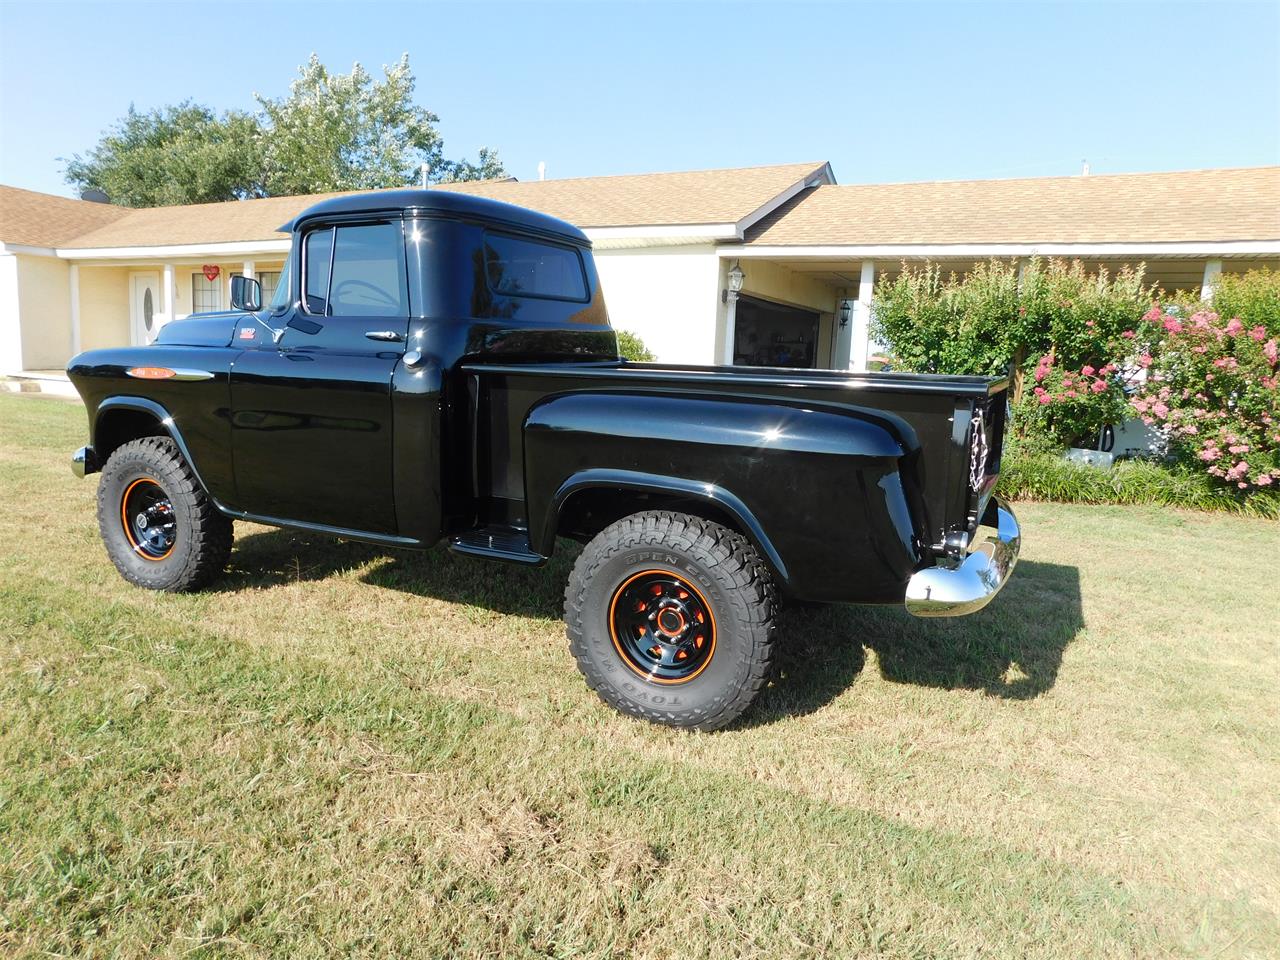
206	294
270	279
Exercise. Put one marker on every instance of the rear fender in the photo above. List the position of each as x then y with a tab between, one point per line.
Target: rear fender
816	490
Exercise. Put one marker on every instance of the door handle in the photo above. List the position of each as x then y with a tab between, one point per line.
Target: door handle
386	336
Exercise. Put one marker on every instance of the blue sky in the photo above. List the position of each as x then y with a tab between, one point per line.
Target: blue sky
886	92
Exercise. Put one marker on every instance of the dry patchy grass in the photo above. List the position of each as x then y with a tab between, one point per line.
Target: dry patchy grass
342	750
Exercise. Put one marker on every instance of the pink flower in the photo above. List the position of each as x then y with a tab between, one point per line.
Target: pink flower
1140	406
1172	325
1098	386
1145	360
1234	327
1271	350
1258	333
1071	394
1088	323
1067	381
1129	334
1242	485
1238	448
1087	371
1200	348
1044	398
1264	480
1161	410
1151	316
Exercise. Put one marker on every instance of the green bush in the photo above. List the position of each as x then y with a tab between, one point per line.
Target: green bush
631	347
1048	476
1055	326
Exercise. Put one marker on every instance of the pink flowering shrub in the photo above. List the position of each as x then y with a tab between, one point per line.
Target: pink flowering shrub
1212	386
1069	406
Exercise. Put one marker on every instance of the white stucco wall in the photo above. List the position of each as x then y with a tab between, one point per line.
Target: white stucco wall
668	296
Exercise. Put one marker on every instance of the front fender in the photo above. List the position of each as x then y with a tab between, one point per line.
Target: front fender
191	406
817	490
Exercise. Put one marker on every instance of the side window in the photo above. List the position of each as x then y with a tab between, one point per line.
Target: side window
530	268
316	253
369	272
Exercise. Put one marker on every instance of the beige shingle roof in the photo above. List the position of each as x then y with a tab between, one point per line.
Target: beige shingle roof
1198	205
229	222
43	220
651	199
700	196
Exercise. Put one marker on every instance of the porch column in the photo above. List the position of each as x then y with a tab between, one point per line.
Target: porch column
75	308
860	348
170	294
730	324
1212	270
249	270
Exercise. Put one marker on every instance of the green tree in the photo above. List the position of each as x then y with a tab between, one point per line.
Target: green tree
332	132
351	132
175	154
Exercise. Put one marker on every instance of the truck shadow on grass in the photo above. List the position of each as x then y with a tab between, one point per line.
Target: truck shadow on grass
1012	649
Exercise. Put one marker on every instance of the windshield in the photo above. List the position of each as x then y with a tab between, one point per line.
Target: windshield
281	299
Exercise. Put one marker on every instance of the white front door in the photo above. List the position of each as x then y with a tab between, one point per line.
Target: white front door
144	306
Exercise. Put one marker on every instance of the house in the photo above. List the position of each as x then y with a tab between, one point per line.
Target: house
765	265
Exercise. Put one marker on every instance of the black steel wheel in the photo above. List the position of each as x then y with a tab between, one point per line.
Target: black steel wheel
146	516
160	528
662	627
670	618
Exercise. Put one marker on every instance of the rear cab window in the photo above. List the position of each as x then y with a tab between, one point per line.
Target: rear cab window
521	267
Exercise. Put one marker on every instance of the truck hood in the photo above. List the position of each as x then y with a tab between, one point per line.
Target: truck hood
205	329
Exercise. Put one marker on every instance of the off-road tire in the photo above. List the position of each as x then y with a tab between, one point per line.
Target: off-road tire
726	572
202	544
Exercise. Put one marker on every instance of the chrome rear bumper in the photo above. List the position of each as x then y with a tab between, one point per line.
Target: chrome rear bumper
84	461
968	587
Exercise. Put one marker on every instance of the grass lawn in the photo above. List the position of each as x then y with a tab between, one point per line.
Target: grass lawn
342	750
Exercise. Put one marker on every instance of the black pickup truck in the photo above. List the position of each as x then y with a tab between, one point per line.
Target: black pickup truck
436	367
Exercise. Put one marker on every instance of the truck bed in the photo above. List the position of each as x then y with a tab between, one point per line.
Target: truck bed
930	414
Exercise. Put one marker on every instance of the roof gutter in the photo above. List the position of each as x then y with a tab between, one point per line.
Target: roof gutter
233	249
853	251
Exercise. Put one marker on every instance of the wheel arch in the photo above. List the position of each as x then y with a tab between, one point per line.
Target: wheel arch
118	420
590	500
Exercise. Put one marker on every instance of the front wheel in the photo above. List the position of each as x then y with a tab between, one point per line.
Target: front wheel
160	528
670	618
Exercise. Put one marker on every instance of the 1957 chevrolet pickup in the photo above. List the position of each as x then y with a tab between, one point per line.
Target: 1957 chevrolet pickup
436	367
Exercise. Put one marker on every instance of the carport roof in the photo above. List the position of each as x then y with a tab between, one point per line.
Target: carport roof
1191	206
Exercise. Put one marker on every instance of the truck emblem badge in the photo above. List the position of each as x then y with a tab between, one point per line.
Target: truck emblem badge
248	333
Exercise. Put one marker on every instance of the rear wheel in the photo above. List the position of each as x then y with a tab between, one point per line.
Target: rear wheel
670	618
160	529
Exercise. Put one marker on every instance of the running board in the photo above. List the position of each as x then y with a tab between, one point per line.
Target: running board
509	544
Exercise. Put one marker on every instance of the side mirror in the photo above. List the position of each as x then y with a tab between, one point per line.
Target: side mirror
246	294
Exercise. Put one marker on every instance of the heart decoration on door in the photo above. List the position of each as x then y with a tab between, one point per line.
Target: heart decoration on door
211	271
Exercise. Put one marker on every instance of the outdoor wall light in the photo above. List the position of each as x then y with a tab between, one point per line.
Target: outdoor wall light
846	313
736	277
